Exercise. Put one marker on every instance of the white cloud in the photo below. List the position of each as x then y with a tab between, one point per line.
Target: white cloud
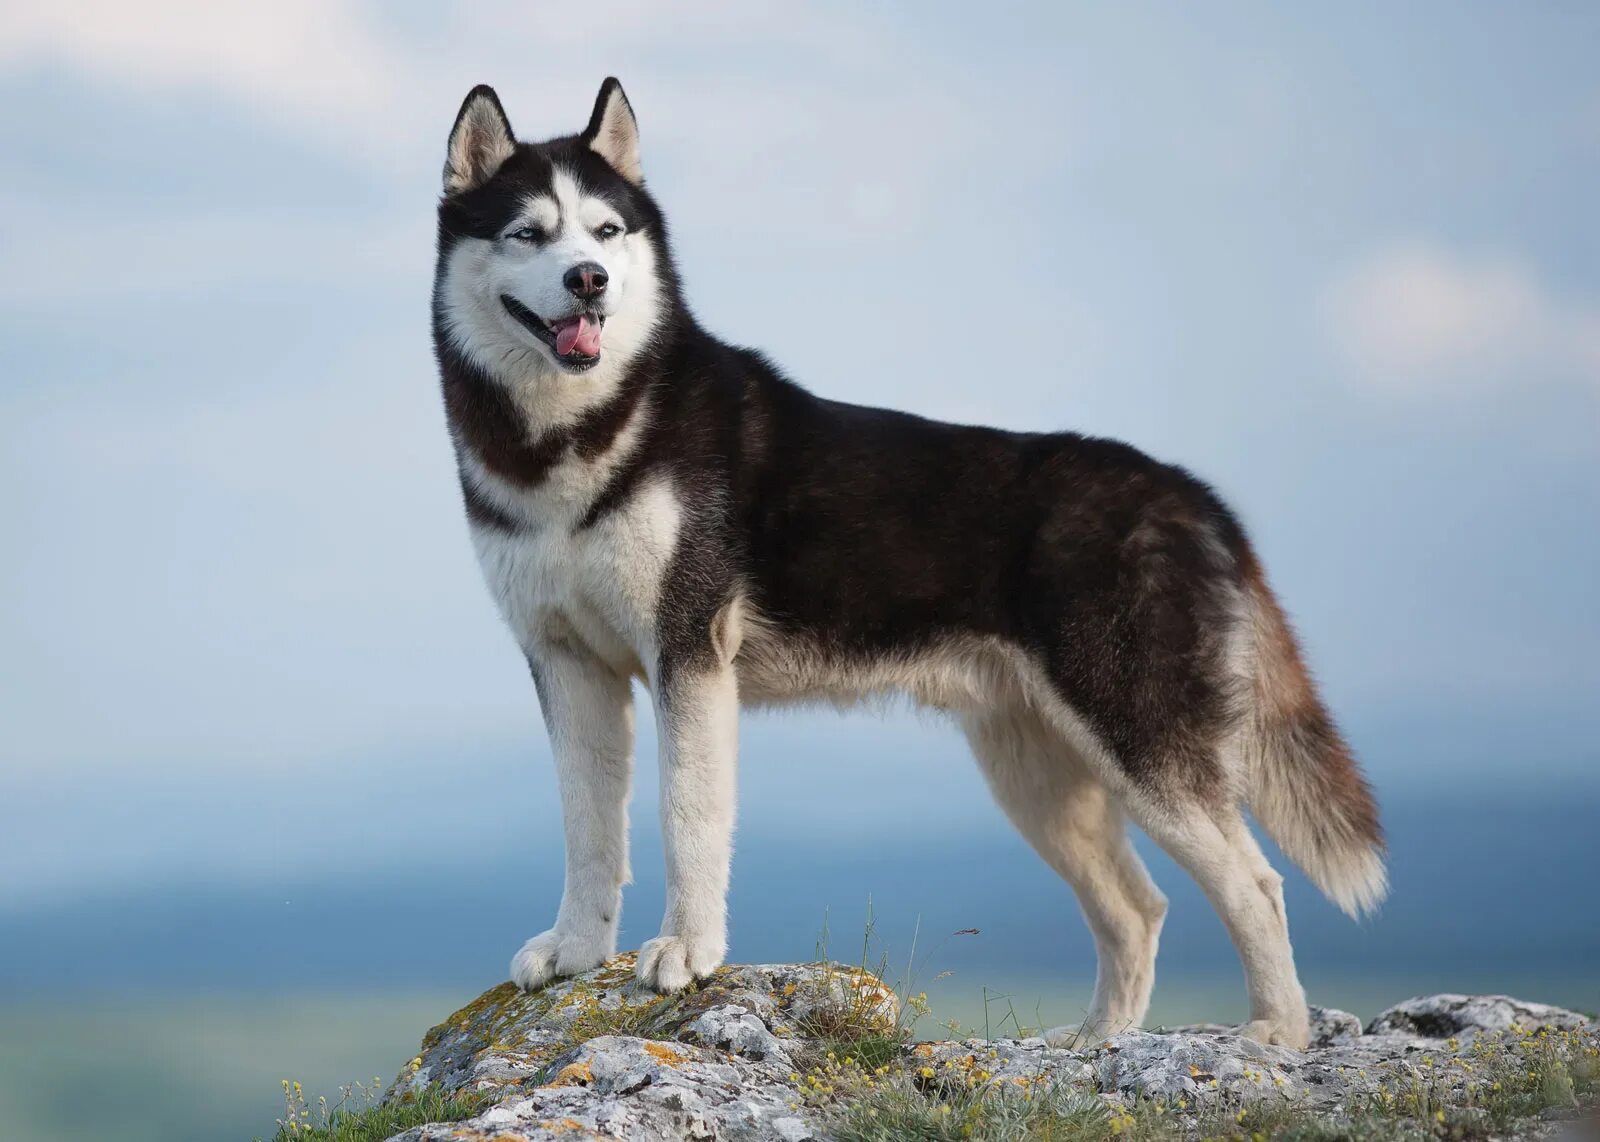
1418	317
307	59
835	117
339	71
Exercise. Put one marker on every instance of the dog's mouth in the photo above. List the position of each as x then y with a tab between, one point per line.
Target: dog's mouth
574	339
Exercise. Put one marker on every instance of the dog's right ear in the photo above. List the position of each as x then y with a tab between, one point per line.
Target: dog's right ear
479	142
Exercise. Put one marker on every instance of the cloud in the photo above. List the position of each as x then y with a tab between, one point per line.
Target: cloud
346	73
1415	317
822	119
304	59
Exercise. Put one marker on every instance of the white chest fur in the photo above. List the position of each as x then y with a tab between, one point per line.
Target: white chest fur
556	581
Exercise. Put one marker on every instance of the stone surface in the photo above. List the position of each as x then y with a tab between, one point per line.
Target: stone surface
1459	1016
1331	1027
1019	1062
1194	1066
597	1056
740	1056
626	1087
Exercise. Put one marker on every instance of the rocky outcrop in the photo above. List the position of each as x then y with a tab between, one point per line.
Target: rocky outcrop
746	1055
1445	1016
595	1054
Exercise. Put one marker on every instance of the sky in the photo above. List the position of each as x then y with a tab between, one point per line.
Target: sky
1342	262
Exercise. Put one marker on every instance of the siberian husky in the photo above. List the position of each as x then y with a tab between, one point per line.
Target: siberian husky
650	502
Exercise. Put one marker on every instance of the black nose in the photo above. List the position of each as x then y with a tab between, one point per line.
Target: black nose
586	279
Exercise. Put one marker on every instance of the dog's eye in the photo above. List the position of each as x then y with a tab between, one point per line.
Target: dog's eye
526	234
607	231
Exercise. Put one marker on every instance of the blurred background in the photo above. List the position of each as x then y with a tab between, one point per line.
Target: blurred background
274	792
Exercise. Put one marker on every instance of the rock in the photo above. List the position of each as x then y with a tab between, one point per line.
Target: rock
744	1057
626	1087
596	1053
1018	1062
736	1029
1331	1027
1461	1016
507	1038
1195	1066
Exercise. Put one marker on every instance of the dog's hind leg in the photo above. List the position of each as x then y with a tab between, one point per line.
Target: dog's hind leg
1215	845
1073	821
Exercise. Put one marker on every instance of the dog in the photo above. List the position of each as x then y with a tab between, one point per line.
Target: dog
649	502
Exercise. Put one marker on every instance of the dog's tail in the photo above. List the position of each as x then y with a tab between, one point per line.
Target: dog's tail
1304	786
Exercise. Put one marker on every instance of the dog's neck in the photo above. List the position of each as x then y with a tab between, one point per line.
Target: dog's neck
526	465
549	399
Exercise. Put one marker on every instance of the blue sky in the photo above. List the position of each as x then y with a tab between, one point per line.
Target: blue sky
1343	262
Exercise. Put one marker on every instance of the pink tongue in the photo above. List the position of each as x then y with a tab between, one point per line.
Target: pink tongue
578	333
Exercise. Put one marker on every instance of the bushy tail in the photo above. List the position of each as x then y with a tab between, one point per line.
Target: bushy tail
1305	787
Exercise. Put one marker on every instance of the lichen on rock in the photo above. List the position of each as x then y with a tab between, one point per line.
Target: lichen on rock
595	1056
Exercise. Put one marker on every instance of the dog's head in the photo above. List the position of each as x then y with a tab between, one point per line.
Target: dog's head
551	255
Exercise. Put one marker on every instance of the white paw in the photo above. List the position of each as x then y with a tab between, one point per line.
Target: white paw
671	963
553	953
1278	1034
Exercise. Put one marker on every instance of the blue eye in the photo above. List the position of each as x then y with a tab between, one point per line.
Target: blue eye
607	231
526	234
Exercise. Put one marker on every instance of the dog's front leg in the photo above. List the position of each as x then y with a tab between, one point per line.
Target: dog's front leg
588	709
697	717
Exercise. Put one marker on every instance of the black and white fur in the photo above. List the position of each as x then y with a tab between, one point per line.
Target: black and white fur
671	508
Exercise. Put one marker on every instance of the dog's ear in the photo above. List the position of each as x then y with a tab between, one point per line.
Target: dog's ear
479	142
613	133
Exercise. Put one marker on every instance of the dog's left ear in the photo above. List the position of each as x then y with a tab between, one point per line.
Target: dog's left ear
613	133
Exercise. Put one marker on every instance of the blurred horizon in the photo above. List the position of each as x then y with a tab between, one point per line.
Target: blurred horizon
1462	907
262	736
222	990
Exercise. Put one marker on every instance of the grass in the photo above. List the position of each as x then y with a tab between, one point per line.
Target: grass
358	1116
1484	1092
856	1024
900	1109
1499	1082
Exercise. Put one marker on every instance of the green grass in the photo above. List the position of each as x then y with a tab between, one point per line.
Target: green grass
858	1028
361	1118
899	1110
1507	1081
1487	1091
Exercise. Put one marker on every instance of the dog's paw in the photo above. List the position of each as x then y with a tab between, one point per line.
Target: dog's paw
552	954
670	963
1278	1033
